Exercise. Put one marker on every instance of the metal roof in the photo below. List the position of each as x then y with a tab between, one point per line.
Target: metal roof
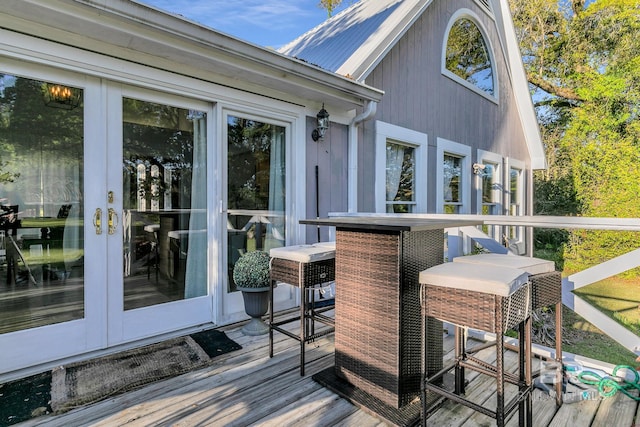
357	36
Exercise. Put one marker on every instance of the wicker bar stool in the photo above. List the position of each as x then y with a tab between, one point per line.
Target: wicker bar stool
308	267
546	290
489	299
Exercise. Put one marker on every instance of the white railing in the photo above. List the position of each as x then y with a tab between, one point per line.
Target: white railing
612	267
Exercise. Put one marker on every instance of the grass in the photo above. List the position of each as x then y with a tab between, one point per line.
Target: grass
582	338
618	298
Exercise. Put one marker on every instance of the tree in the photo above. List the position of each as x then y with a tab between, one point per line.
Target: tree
583	63
329	5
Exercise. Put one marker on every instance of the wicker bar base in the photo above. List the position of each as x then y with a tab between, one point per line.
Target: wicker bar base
378	320
407	415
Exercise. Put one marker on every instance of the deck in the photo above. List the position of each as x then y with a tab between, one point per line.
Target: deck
246	387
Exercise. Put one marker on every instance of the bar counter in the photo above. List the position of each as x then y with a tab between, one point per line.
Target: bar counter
378	332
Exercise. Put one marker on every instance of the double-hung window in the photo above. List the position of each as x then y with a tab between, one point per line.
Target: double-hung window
454	177
400	178
401	157
516	199
488	172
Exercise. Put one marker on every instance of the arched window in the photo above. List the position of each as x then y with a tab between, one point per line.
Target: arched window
467	56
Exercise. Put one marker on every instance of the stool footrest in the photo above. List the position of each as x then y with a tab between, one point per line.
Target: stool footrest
513	403
309	338
459	399
488	369
509	407
329	321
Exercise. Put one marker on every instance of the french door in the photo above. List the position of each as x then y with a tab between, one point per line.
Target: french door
156	214
53	269
104	229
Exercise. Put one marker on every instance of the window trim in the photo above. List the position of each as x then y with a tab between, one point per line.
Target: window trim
417	140
473	17
494	159
520	166
444	146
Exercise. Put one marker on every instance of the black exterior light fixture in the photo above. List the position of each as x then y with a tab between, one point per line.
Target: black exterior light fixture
323	124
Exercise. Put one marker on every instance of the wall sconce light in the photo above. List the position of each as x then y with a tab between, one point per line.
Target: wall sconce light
60	96
323	124
479	168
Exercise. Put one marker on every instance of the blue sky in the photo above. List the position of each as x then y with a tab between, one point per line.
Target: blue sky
269	23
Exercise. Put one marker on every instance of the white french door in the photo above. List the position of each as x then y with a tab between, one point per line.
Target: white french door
123	211
156	203
104	230
53	265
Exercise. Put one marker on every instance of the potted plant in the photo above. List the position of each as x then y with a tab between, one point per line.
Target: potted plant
251	275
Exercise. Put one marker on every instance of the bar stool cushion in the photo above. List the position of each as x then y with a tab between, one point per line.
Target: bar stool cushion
529	264
475	277
305	253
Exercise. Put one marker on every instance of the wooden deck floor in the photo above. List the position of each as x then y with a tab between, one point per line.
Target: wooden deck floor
246	387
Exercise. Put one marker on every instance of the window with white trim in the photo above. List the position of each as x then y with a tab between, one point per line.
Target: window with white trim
400	178
489	183
452	184
516	199
467	55
454	177
401	158
489	188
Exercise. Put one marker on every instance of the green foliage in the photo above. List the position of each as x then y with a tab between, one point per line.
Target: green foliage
329	5
5	176
584	63
252	270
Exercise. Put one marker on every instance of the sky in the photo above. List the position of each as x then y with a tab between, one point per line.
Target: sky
267	23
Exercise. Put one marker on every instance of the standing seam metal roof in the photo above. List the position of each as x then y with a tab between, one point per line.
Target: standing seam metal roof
332	43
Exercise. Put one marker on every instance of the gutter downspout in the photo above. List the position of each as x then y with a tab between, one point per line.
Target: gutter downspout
352	173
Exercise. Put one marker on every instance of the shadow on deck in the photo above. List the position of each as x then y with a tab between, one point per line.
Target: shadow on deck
246	387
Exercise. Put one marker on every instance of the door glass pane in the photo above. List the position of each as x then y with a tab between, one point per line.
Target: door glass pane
256	188
41	203
164	202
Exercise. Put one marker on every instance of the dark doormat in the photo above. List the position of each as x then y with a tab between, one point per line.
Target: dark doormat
25	398
215	343
89	381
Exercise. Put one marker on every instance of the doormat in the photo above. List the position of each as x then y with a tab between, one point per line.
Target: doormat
215	343
25	398
86	382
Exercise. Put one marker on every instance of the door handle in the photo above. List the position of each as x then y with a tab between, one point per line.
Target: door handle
112	220
97	220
